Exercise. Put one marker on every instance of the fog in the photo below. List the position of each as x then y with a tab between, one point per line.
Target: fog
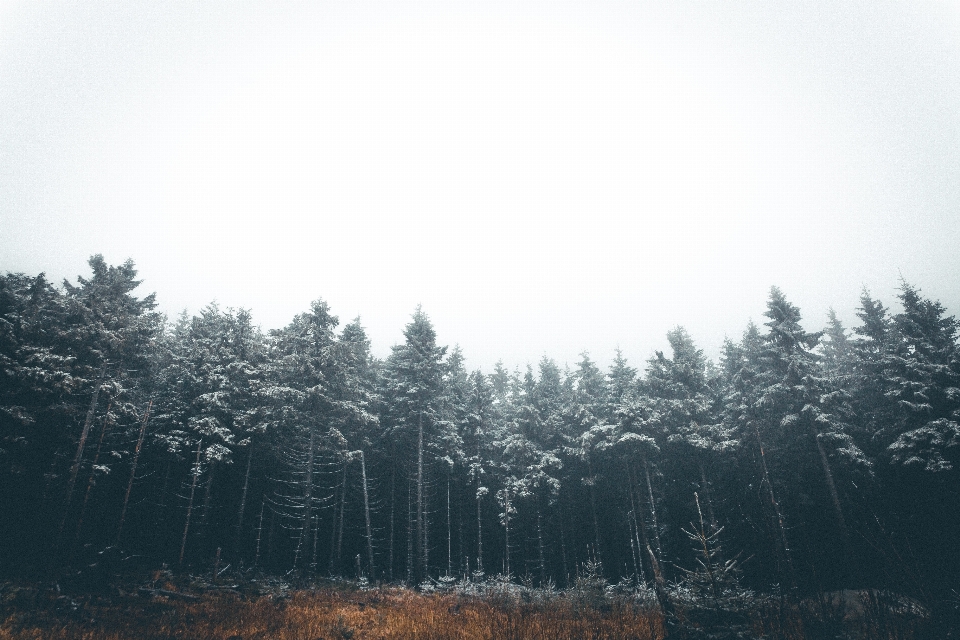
543	178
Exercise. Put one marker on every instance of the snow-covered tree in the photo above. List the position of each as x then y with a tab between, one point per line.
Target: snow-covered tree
414	392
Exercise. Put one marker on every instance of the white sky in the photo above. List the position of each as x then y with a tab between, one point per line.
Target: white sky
545	178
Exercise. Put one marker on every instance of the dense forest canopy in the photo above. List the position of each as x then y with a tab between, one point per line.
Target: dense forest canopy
820	460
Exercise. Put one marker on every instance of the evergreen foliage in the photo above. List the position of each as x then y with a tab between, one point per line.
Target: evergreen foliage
830	457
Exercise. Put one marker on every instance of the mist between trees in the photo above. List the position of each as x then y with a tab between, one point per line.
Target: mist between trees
810	461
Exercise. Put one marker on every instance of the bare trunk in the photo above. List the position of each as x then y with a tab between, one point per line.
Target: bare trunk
133	470
636	524
393	505
479	529
633	546
849	562
93	470
243	499
653	507
193	488
256	557
207	494
834	496
506	524
778	515
315	544
563	555
449	538
343	502
543	562
479	517
366	513
421	524
411	518
593	511
307	501
461	549
660	588
333	527
75	468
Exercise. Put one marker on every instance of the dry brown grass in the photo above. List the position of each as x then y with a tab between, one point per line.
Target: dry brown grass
329	615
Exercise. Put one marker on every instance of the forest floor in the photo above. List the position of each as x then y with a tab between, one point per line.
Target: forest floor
268	608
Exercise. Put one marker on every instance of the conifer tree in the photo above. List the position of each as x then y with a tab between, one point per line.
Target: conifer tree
306	365
923	377
414	377
479	416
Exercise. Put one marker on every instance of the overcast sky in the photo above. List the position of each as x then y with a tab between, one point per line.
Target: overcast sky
544	178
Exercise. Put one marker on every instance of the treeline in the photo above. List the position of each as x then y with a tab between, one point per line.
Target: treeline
817	460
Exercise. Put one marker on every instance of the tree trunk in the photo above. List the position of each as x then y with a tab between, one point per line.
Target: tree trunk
75	468
159	514
307	501
834	496
479	485
93	470
315	544
343	502
593	511
335	508
366	513
393	505
653	507
207	494
631	481
778	515
133	470
256	557
193	487
411	520
243	499
850	564
461	549
543	562
421	524
663	598
506	524
449	538
479	529
563	555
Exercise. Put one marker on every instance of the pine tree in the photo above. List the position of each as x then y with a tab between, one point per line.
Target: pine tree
529	457
306	368
872	349
414	377
480	414
796	412
923	377
686	404
209	400
714	579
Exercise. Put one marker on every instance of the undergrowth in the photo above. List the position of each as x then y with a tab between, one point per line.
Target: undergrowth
167	608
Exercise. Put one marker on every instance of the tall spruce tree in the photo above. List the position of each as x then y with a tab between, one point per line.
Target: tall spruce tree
800	419
923	377
414	377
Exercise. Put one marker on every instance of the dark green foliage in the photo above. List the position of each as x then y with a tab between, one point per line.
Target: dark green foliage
830	458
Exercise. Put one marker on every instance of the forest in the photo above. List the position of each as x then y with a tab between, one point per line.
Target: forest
800	463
